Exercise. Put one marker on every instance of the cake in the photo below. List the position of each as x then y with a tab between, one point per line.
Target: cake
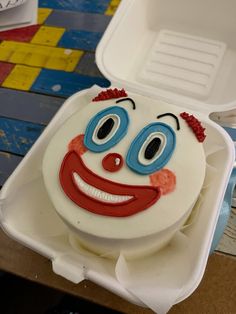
124	172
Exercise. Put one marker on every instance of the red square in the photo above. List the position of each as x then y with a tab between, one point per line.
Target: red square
24	34
5	69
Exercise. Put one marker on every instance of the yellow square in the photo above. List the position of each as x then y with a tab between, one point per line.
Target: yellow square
21	77
7	48
5	54
63	59
56	63
111	10
37	60
43	14
115	2
112	7
10	50
18	57
47	35
40	56
9	44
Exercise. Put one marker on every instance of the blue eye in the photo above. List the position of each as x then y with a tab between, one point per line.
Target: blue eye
106	129
151	149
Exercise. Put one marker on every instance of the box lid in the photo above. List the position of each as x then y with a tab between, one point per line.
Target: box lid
173	51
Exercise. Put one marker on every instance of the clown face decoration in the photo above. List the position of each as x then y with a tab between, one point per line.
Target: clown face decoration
125	166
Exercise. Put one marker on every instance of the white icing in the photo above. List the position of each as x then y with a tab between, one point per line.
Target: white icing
98	194
187	163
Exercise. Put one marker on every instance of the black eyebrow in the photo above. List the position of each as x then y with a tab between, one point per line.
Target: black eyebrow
130	99
172	115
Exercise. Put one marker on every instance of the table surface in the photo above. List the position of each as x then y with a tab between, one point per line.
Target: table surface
41	66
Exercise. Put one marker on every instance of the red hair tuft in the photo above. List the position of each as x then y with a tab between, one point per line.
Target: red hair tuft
195	125
110	94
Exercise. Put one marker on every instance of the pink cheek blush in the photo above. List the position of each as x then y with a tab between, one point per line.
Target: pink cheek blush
165	180
77	145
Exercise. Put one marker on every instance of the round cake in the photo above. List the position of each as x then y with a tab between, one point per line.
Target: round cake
124	172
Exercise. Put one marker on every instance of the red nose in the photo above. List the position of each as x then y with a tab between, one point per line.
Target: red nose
112	162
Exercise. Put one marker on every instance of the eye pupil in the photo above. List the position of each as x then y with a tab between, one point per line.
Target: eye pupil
105	129
152	148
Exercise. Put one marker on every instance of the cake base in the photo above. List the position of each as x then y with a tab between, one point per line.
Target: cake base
130	248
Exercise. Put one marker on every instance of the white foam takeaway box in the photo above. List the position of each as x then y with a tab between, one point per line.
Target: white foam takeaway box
182	52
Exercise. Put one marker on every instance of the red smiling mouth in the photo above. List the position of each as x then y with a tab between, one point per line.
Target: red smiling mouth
102	196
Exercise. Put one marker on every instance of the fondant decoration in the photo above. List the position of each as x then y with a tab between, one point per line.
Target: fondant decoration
112	162
102	196
195	125
125	99
171	115
77	144
165	179
110	93
151	149
106	129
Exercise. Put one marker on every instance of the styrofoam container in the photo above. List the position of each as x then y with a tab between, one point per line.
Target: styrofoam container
139	31
5	5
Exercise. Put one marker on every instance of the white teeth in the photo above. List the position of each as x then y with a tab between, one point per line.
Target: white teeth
98	194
